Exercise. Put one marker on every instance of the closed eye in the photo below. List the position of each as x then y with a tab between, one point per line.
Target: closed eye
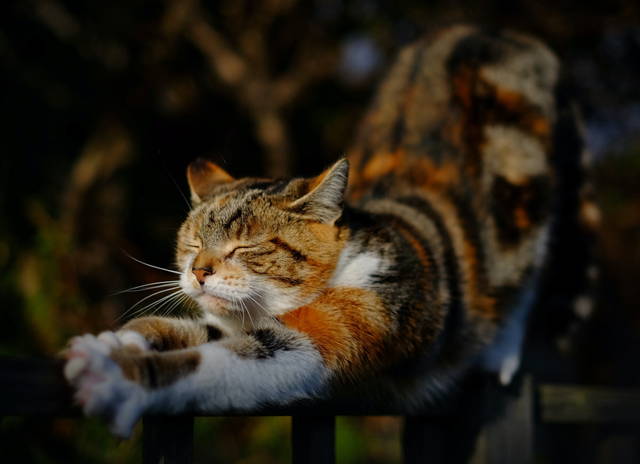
241	247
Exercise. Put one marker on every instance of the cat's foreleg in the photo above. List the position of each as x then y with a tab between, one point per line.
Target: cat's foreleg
267	366
339	335
162	334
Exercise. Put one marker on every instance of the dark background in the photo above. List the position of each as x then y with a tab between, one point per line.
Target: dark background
104	103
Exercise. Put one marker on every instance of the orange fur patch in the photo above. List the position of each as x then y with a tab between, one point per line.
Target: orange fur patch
346	325
381	164
425	173
521	218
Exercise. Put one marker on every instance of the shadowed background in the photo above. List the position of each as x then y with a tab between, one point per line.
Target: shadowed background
105	103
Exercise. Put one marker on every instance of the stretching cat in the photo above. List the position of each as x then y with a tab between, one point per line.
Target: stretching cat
428	268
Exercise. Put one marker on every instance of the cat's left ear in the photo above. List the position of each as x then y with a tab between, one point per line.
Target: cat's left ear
203	177
325	195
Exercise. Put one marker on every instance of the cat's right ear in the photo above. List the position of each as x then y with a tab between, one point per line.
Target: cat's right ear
203	177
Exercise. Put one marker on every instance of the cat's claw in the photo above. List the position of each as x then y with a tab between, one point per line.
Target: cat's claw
100	386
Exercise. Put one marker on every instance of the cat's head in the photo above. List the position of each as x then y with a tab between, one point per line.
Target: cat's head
258	242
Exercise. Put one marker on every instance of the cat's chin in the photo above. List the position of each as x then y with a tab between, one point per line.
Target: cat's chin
213	304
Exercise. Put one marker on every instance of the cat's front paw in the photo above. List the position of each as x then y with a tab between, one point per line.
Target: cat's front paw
124	339
100	386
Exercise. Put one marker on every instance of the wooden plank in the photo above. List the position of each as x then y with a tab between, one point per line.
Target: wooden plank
451	437
509	437
36	386
424	440
167	440
31	386
313	439
579	404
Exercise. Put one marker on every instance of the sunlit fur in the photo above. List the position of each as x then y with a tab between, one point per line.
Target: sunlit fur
267	259
387	292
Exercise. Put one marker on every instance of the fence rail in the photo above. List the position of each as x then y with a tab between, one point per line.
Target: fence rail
492	425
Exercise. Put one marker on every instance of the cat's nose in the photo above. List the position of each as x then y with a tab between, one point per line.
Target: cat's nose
202	272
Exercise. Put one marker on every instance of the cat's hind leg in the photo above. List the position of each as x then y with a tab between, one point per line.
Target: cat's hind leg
504	355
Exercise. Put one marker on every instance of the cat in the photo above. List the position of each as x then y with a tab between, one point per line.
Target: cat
388	275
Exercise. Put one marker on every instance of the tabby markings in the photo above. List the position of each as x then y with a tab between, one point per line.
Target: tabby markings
455	315
270	343
518	208
296	254
233	218
155	370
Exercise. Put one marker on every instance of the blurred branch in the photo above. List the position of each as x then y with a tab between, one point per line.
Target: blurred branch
245	71
238	57
73	248
230	67
57	19
310	66
107	150
112	54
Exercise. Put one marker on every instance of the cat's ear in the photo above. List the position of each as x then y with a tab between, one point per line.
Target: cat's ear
203	177
325	194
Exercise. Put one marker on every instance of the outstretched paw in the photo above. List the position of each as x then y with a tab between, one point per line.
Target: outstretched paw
124	339
100	386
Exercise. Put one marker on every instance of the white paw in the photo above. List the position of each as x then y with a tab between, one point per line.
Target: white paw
100	387
124	338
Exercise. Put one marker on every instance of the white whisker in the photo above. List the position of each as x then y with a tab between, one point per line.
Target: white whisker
151	265
244	305
155	307
128	311
154	303
149	286
236	305
176	304
262	307
179	190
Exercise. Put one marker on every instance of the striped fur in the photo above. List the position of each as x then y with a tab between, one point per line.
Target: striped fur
394	286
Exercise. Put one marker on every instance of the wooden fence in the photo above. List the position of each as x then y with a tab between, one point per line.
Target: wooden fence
490	424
